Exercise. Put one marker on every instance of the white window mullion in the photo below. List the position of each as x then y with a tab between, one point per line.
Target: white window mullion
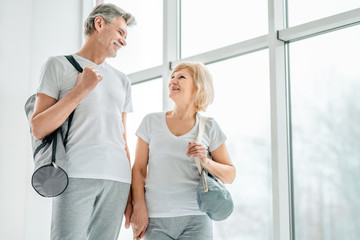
320	26
234	50
170	50
279	125
146	75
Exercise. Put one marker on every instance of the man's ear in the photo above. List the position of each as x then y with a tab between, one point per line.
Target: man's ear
99	23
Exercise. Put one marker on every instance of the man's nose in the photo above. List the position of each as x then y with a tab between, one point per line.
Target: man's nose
122	41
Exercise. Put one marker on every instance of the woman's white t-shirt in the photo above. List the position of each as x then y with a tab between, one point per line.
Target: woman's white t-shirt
172	177
96	147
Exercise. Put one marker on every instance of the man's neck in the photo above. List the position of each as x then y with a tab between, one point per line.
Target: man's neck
91	51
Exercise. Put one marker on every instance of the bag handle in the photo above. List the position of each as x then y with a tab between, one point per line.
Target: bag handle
202	124
77	66
199	164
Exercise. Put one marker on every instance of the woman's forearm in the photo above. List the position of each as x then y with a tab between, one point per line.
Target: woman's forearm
138	187
226	173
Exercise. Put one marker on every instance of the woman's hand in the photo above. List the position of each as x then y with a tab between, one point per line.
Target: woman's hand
197	150
220	165
139	221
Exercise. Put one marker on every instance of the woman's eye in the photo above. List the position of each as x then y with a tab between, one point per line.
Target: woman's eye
182	77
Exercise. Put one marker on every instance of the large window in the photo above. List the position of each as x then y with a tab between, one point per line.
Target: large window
242	109
325	106
210	24
302	11
285	96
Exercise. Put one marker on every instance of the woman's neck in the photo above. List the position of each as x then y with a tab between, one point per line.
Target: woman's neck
183	113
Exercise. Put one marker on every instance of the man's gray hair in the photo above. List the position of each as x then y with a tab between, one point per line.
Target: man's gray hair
109	12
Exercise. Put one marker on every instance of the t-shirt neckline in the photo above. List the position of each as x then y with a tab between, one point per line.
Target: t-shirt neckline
87	60
181	136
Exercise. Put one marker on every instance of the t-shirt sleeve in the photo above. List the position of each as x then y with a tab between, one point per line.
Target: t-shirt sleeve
216	135
49	78
128	100
143	131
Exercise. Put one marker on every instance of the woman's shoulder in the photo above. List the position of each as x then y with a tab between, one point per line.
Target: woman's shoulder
154	116
212	124
209	120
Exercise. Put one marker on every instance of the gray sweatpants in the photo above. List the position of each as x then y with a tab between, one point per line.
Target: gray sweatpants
89	209
180	228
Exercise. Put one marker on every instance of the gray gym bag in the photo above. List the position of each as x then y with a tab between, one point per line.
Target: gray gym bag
50	178
212	196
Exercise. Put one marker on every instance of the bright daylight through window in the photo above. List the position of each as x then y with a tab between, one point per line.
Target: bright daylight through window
312	163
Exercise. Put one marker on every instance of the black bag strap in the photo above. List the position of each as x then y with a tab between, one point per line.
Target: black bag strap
77	66
73	62
68	128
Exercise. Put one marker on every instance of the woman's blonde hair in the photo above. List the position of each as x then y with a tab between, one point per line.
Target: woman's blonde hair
203	82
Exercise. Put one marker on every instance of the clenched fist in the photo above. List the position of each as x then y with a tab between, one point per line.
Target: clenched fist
88	79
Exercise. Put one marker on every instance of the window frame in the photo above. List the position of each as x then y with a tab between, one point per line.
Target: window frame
277	41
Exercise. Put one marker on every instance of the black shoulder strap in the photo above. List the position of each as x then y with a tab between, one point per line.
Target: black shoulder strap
77	66
68	128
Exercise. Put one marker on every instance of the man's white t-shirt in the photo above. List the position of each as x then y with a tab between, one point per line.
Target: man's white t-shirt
96	147
172	177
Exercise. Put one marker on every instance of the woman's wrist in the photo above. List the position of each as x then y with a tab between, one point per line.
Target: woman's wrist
206	161
139	205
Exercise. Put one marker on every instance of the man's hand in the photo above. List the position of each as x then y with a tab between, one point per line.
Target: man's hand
128	211
88	79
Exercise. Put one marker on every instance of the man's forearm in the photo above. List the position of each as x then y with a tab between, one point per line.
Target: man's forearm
47	121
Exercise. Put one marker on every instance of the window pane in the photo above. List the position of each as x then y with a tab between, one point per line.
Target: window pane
145	39
210	24
242	109
325	106
146	98
302	11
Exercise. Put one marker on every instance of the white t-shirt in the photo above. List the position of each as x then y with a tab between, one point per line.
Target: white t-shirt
96	147
172	177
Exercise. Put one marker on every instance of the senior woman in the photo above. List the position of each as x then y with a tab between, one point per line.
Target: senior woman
164	175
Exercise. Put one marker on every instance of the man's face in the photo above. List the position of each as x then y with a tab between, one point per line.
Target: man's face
112	36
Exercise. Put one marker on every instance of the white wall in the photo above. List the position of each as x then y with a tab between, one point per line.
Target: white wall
14	84
31	31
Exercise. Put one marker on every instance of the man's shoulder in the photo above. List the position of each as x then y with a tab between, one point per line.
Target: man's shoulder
56	61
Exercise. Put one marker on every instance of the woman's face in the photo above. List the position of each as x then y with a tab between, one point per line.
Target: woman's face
182	88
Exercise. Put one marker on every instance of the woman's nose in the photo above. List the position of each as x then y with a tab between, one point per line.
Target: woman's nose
173	80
